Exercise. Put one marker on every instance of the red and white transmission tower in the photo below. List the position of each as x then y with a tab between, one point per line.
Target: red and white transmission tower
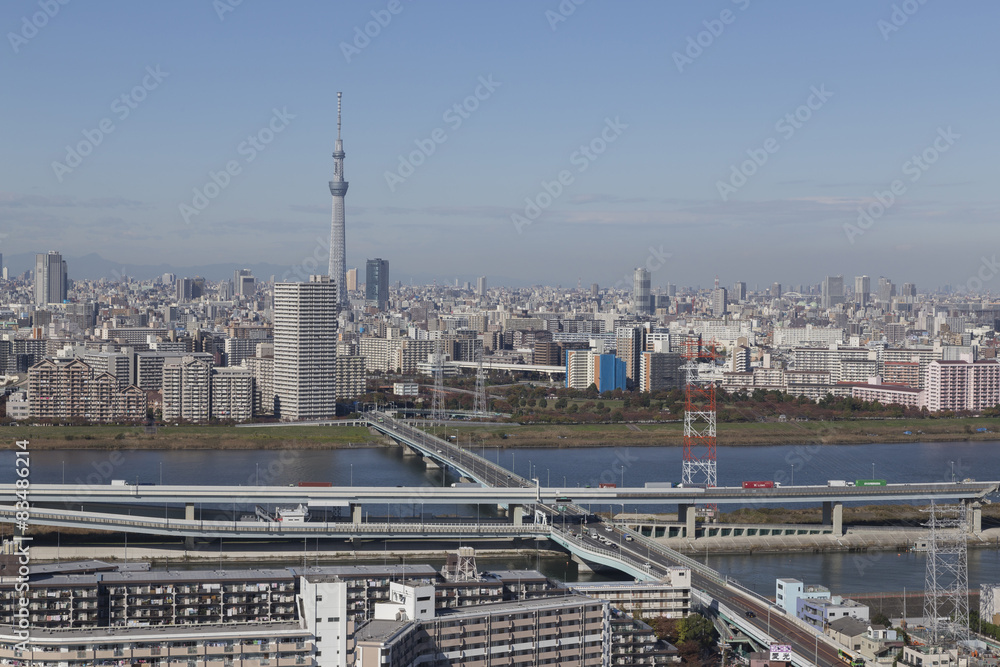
698	468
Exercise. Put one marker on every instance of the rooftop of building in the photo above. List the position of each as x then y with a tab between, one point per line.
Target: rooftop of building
158	633
517	606
381	631
338	572
849	626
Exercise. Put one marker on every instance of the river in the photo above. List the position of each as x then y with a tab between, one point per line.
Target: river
571	467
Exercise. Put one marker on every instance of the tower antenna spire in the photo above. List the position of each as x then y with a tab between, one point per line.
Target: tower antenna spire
338	188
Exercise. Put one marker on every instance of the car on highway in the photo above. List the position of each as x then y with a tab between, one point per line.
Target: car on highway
751	614
628	538
609	528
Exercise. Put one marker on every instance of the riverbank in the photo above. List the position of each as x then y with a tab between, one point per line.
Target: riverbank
508	436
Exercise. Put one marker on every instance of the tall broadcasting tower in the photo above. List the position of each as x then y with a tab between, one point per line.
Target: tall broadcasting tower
338	188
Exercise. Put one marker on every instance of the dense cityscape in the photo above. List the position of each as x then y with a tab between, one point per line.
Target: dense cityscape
593	369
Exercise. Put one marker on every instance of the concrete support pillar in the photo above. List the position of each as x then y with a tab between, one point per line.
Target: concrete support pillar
838	519
581	564
501	511
687	515
827	513
189	511
355	513
518	513
409	451
975	514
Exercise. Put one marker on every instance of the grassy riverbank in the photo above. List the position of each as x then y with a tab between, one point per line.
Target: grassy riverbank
736	434
188	437
506	435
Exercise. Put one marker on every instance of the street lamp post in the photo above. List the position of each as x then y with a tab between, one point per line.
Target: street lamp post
792	483
873	470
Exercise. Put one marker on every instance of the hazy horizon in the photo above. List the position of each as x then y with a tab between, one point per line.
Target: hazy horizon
735	139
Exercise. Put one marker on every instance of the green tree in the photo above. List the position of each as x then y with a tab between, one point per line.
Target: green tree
542	403
878	618
696	628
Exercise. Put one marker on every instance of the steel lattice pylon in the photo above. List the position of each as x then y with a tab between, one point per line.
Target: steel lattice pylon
946	590
480	406
987	601
699	466
437	401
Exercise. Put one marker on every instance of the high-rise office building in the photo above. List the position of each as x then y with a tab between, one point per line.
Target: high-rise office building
595	290
630	341
352	279
719	301
481	286
739	292
338	241
909	290
642	304
377	282
305	348
832	291
886	290
51	279
243	283
775	290
862	290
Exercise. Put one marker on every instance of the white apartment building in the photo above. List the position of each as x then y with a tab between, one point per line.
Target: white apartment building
305	348
186	389
232	394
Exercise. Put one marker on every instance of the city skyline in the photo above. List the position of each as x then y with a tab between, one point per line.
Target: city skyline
679	128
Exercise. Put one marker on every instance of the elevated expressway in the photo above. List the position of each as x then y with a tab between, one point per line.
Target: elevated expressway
629	551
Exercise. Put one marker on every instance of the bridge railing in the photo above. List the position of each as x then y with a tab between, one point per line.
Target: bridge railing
384	422
607	553
98	520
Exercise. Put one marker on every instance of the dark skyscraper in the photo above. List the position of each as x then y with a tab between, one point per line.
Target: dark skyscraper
51	281
377	282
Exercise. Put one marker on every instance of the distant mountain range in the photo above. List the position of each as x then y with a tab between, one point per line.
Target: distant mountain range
94	267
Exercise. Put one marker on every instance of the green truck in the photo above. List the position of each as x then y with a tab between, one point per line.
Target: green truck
870	482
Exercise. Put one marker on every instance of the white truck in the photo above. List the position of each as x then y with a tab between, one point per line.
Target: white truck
836	482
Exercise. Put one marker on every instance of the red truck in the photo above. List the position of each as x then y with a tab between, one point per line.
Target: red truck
758	485
607	485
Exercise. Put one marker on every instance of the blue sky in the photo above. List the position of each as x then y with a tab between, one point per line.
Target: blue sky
887	94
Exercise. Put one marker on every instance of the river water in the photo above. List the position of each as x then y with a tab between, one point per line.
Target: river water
571	467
